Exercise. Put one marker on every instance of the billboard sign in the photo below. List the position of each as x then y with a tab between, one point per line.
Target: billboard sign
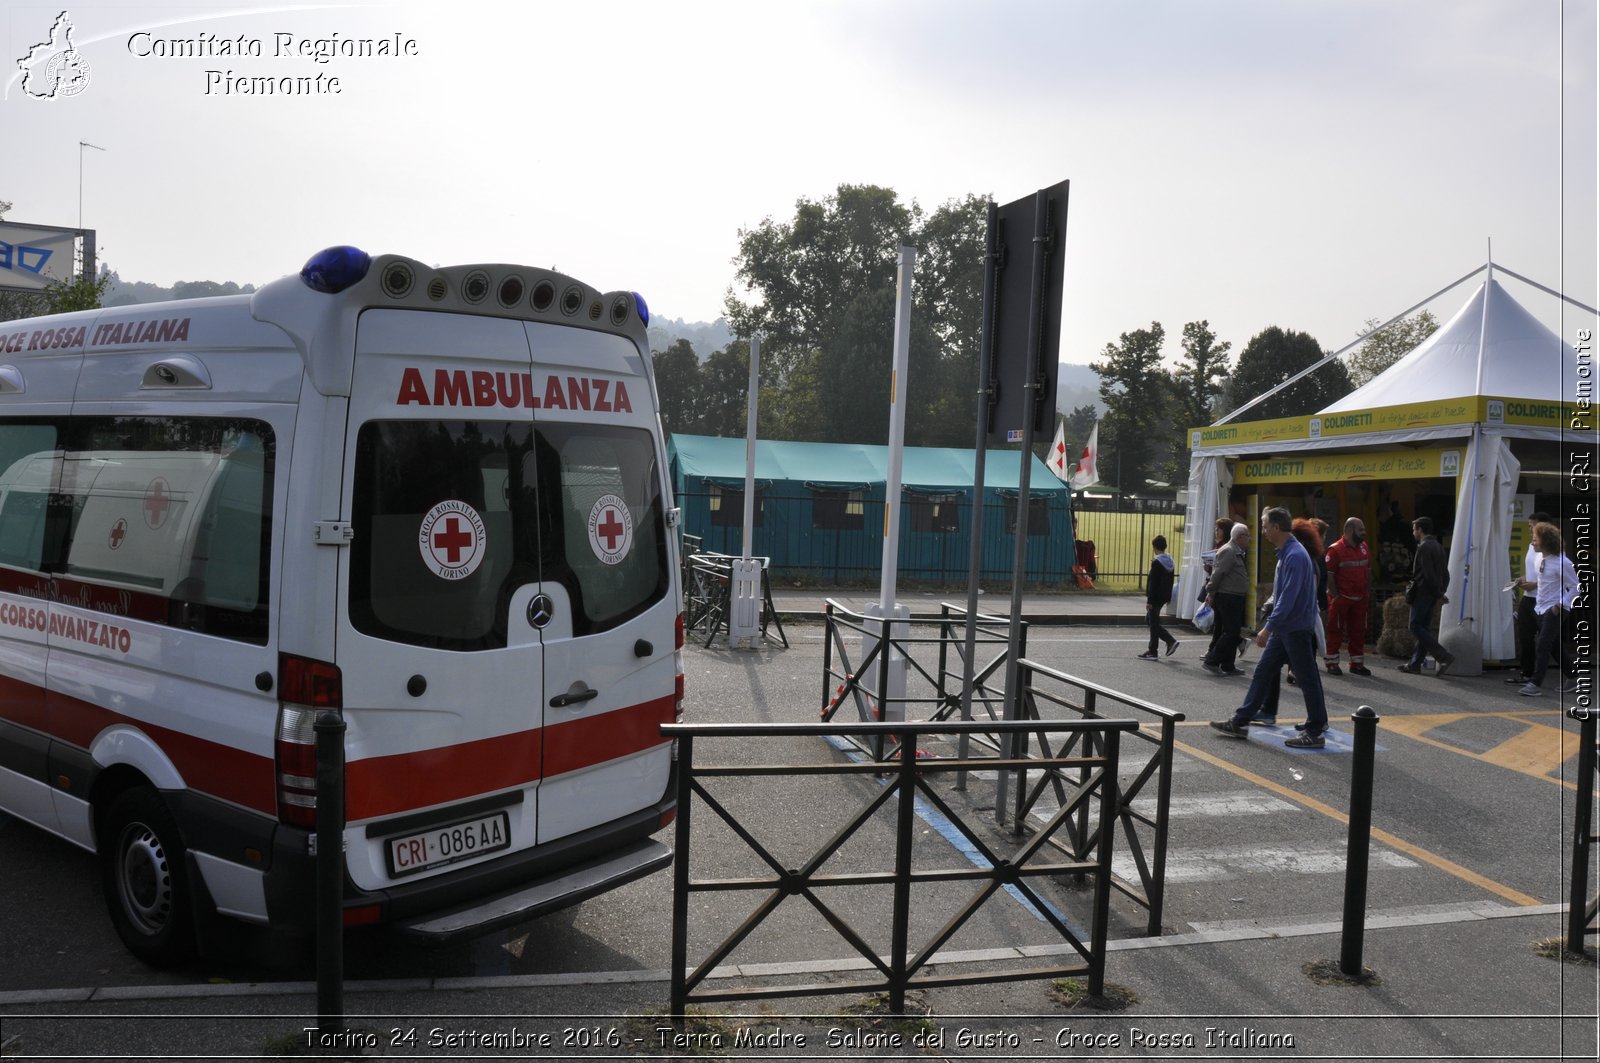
32	257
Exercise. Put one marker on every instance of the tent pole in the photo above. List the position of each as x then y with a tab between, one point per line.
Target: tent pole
1477	445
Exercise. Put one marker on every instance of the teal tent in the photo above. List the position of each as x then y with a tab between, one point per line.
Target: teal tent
819	509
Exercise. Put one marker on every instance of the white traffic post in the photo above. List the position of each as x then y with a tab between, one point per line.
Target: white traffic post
892	686
744	608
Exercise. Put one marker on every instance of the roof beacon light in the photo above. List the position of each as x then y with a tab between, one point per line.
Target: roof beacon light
336	268
644	311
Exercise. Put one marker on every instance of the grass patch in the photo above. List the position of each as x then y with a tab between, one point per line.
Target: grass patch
1556	949
873	1014
1327	972
1073	993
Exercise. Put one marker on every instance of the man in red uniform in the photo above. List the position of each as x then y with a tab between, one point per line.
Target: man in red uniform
1349	573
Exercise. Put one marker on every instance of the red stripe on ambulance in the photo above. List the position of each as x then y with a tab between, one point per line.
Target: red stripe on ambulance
383	786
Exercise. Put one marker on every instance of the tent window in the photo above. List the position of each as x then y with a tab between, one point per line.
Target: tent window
727	507
837	510
1038	516
935	513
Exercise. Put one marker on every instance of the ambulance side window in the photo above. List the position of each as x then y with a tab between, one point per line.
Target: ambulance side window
167	520
28	467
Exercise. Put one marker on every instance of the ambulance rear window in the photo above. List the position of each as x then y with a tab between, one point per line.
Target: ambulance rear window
450	518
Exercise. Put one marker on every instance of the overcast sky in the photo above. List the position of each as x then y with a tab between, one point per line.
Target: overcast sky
1253	162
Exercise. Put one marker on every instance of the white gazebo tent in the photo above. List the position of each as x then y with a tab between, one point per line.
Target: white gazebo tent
1491	374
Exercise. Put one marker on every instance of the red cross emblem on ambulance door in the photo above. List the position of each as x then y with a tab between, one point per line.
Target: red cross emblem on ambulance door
157	500
453	539
610	528
119	532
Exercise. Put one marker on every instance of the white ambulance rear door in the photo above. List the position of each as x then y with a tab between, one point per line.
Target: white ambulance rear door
440	664
609	665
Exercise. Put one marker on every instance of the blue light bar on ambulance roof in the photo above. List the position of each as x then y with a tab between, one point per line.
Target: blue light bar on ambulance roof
336	268
644	311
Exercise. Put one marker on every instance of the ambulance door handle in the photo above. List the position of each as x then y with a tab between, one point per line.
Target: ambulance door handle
573	697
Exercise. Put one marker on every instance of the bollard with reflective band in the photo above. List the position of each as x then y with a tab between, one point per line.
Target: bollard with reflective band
330	728
1355	868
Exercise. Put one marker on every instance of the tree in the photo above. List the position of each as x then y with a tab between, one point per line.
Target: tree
1272	356
1198	379
677	372
1136	394
1384	347
724	382
825	283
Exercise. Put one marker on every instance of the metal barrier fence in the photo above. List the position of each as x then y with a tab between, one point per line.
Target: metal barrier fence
865	684
1121	541
1043	688
1581	909
905	783
708	595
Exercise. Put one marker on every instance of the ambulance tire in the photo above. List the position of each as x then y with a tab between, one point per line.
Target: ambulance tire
145	877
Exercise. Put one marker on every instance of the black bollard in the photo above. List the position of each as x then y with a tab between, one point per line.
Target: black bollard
329	919
1582	833
1355	867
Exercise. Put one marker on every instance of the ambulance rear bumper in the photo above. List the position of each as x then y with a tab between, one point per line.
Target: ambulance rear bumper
566	887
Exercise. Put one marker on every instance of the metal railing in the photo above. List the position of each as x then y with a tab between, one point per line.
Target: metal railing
904	783
860	677
1144	828
1581	909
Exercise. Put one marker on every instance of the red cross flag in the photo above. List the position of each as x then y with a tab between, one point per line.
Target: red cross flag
1057	459
1088	470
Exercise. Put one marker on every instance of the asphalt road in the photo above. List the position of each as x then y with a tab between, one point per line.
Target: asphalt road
1472	809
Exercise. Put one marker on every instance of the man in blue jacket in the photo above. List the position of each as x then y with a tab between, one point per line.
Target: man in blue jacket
1289	634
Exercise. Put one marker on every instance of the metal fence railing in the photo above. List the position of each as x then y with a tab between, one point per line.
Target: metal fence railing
851	900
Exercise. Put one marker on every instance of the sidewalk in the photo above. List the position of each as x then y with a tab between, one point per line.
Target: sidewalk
1240	993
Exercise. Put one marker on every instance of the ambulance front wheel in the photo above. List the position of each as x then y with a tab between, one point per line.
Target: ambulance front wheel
145	879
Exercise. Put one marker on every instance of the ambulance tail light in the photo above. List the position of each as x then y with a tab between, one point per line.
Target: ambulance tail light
305	688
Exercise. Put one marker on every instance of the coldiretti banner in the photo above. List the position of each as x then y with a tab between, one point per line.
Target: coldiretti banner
1368	465
1443	412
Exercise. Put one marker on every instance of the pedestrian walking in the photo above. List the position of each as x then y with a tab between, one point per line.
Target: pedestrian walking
1558	587
1230	585
1527	621
1290	635
1430	578
1349	567
1157	593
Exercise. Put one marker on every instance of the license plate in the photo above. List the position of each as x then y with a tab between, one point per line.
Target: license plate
437	846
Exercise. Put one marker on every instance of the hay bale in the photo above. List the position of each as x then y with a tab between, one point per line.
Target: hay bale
1396	639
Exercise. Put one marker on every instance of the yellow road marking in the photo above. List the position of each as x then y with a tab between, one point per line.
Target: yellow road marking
1537	751
1426	856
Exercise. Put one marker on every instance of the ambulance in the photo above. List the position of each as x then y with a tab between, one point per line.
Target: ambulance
433	501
